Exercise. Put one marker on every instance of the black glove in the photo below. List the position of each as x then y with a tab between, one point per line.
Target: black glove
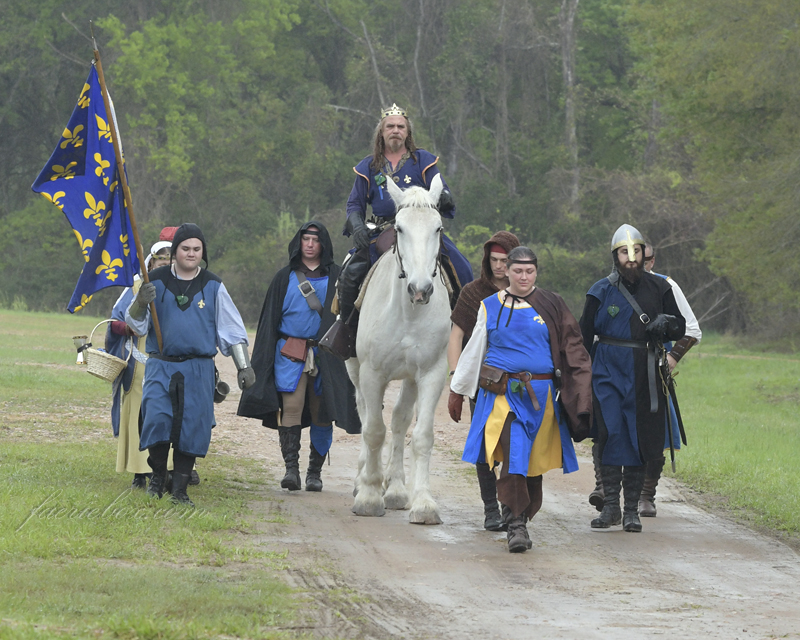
662	325
358	231
446	204
147	293
246	378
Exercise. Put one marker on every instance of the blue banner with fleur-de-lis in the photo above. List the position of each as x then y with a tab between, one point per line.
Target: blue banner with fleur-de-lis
81	179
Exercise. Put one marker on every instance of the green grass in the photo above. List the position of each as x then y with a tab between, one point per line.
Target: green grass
741	414
80	554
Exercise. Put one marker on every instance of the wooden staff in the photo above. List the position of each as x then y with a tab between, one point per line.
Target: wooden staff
112	127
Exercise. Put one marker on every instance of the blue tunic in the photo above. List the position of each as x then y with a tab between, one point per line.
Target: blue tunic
522	345
298	320
178	397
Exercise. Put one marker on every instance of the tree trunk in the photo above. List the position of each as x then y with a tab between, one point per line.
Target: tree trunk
566	20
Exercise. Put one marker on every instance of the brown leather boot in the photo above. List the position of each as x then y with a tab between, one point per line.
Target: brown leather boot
518	539
647	501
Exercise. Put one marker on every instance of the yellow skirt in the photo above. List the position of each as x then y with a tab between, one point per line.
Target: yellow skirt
546	453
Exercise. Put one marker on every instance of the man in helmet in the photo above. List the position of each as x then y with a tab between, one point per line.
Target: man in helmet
626	319
395	157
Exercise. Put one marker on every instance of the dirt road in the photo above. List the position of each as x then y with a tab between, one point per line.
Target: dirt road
689	574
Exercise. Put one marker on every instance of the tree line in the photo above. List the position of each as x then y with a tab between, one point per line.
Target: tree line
555	119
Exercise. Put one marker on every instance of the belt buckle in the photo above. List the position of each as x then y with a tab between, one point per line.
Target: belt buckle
306	288
644	318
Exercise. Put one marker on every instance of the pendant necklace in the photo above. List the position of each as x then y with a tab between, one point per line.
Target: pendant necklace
183	298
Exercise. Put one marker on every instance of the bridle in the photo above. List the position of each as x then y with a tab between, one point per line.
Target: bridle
436	268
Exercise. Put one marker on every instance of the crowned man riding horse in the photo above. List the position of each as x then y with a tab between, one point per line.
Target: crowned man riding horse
397	159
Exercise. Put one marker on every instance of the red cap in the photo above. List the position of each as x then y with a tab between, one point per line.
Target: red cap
167	233
496	248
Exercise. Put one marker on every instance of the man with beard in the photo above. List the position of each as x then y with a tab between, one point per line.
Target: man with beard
465	314
297	385
395	157
630	314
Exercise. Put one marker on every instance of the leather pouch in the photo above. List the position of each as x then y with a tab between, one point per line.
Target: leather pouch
493	379
385	240
296	349
338	340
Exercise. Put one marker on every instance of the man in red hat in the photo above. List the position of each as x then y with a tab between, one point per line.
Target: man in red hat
465	314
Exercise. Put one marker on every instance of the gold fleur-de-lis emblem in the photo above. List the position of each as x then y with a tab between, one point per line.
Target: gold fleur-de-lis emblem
102	224
539	319
84	244
201	304
54	198
109	266
60	171
113	186
95	209
84	301
103	130
100	169
407	179
124	240
83	99
72	137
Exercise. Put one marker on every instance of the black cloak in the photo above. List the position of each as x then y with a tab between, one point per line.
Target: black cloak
262	400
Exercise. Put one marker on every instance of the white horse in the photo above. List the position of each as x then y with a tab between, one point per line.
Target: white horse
402	335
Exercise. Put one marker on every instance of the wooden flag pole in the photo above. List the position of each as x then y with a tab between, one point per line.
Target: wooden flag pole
112	127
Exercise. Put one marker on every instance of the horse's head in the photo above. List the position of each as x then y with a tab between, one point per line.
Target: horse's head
419	235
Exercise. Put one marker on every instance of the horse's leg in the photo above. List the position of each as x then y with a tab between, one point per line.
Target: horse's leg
396	495
423	506
369	499
353	367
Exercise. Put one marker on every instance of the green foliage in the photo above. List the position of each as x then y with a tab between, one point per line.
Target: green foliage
686	117
729	81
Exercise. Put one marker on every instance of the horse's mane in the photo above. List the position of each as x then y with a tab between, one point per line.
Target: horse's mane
416	198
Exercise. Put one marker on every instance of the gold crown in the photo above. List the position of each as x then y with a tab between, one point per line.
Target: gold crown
394	110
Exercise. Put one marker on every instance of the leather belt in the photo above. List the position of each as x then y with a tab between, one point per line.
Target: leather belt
651	363
159	356
310	341
526	377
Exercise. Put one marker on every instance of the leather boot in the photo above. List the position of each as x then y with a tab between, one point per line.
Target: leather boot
179	483
611	514
597	496
507	517
492	520
158	484
313	475
647	501
632	481
518	539
290	449
139	481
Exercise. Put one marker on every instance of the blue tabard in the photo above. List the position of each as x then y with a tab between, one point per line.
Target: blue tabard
178	397
298	320
614	376
523	345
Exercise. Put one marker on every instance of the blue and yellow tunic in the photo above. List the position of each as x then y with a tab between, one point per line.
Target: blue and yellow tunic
519	341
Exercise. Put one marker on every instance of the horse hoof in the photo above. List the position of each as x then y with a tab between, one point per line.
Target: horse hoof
364	508
424	517
395	501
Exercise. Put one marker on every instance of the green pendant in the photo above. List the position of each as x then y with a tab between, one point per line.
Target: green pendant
181	300
613	310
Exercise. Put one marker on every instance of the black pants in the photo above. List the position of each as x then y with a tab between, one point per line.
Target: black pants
182	463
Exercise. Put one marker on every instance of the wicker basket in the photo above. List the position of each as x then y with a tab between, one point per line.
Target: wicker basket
104	365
